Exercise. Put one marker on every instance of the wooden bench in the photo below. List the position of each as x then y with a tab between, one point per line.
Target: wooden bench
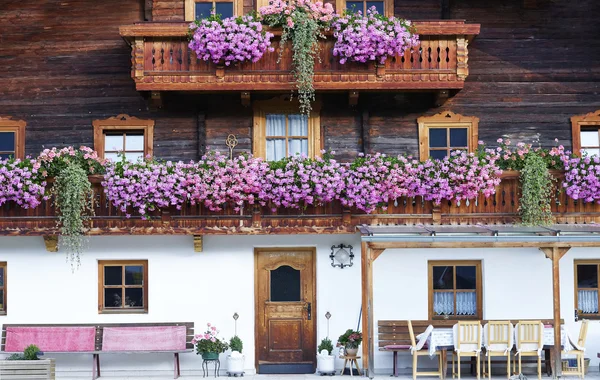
101	338
393	335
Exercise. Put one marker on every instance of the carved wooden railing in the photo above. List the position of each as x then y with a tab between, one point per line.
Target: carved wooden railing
501	208
162	61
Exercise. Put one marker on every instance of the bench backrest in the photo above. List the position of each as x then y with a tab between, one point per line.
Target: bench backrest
395	332
99	337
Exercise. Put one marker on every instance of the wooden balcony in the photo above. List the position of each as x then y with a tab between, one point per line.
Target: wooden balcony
502	208
161	61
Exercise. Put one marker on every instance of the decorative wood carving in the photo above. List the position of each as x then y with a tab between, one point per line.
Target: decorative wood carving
51	243
198	243
462	58
590	119
137	58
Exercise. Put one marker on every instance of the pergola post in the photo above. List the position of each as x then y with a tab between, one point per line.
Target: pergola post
555	254
368	255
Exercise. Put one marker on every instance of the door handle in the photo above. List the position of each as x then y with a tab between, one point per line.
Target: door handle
309	310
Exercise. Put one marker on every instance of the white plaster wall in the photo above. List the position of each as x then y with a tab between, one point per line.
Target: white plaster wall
183	286
517	283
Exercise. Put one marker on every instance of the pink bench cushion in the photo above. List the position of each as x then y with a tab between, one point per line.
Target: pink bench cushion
51	339
148	338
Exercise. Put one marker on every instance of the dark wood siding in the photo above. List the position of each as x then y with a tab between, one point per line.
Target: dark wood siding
63	65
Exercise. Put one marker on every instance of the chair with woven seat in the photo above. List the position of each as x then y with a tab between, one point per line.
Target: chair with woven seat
578	351
420	349
498	341
467	342
530	342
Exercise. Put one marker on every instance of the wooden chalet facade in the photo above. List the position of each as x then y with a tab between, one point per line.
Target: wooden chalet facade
76	72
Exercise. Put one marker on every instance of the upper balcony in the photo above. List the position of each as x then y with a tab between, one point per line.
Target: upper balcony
161	61
500	208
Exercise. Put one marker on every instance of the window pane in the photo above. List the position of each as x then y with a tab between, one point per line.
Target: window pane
377	4
285	284
134	142
443	277
298	146
1	276
112	297
112	156
466	277
134	297
354	6
224	9
1	299
7	141
298	125
588	138
438	138
592	152
113	142
134	275
275	125
203	10
587	276
4	156
275	149
458	137
133	157
113	275
438	154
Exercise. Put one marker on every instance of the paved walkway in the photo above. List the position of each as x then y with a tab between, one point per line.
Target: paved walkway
532	376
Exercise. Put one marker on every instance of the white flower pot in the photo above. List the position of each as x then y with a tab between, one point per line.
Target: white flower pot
325	363
235	363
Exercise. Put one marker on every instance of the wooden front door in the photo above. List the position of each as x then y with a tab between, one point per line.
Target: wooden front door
285	310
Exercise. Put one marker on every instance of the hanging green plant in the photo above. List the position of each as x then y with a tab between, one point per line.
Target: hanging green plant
536	188
303	23
73	199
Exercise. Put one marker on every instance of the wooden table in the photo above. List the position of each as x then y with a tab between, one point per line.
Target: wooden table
351	359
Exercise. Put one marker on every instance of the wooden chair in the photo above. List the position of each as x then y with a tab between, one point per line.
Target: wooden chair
530	342
578	351
467	342
498	341
421	349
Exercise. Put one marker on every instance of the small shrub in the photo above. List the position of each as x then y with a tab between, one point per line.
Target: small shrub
236	344
30	353
326	344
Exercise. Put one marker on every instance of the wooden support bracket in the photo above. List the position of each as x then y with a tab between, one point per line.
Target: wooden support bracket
353	98
245	98
441	97
551	251
156	100
376	253
51	242
198	243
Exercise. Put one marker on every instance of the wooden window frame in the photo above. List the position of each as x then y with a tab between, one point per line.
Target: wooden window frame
388	7
284	107
123	123
591	119
190	7
478	290
576	288
4	265
18	127
447	120
101	265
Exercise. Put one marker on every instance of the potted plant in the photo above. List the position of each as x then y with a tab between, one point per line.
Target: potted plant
27	365
325	361
235	361
350	340
208	345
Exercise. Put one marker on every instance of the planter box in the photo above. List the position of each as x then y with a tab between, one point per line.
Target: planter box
27	369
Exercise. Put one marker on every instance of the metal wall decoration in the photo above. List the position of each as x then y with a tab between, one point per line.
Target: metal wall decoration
341	256
328	315
235	318
231	142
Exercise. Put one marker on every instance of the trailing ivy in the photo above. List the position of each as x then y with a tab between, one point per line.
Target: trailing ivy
536	188
73	199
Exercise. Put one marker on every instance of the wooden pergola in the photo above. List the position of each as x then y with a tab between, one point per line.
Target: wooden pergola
554	241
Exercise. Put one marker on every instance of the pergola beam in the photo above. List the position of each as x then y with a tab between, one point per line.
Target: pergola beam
481	244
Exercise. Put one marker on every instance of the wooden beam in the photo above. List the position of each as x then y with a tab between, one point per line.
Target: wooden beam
156	100
376	253
201	128
148	10
198	243
441	97
353	98
474	244
51	242
367	308
365	132
245	98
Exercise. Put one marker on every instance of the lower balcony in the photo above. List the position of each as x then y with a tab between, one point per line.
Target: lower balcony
501	208
161	61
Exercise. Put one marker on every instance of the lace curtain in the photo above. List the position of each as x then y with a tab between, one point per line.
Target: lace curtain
587	301
297	127
466	303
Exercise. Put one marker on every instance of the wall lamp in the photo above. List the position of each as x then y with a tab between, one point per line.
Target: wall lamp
341	256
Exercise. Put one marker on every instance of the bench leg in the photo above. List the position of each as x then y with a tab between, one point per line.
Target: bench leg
176	364
396	363
95	366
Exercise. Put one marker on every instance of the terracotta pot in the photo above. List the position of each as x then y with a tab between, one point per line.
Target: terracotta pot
351	351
